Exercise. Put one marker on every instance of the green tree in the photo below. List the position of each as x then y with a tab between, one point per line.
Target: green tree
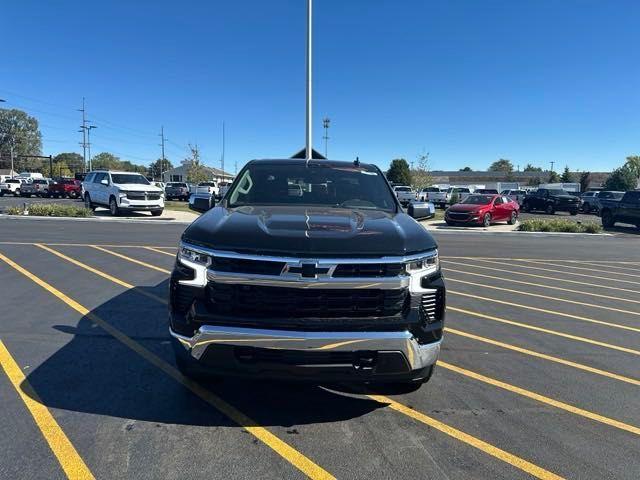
72	161
399	172
534	182
502	165
531	168
622	179
197	172
420	176
21	131
465	169
566	176
633	162
553	177
585	180
61	169
106	161
158	167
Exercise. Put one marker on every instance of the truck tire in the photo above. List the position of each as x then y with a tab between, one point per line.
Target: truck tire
113	207
607	219
156	213
550	210
87	202
16	192
573	212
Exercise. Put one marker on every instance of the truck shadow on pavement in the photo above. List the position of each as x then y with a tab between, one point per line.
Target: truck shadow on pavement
95	373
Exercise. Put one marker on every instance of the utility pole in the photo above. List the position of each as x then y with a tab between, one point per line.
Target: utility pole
162	161
83	129
309	142
88	129
325	123
552	163
222	158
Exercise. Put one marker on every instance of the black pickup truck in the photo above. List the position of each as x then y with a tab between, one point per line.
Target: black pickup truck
550	201
311	271
625	210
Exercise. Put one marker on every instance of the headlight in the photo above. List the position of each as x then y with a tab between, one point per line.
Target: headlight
122	194
194	256
428	262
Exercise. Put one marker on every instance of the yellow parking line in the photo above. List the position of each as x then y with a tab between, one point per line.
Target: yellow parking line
132	260
544	310
541	285
621	262
541	398
481	445
545	277
102	274
69	459
295	458
56	244
540	329
544	262
548	297
563	272
543	356
153	249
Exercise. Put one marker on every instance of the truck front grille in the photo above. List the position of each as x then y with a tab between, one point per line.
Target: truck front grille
368	270
258	301
241	265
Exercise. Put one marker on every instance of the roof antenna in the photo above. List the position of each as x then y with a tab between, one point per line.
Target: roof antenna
356	162
309	147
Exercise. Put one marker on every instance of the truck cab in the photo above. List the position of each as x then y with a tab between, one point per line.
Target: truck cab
308	270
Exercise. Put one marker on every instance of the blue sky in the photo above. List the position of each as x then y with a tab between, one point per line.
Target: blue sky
467	81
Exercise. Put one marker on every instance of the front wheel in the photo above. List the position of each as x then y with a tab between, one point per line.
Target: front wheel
550	210
607	219
17	193
113	207
513	218
486	220
87	202
573	212
526	207
156	213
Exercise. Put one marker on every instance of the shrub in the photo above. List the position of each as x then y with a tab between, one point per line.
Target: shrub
52	210
559	225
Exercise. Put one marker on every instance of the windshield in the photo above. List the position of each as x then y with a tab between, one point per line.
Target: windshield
346	186
128	178
402	189
477	200
616	195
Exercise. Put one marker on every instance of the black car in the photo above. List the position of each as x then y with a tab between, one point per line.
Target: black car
551	201
308	270
625	210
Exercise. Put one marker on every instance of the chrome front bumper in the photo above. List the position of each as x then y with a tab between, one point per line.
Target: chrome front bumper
416	355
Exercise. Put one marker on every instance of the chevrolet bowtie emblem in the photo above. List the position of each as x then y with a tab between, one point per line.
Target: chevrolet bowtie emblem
308	270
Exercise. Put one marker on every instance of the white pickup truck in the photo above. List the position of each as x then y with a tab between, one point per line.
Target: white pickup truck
405	194
450	196
11	185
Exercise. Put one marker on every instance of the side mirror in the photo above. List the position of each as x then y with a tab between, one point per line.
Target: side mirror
104	182
420	210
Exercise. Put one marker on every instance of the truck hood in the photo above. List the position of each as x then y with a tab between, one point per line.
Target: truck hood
138	187
309	231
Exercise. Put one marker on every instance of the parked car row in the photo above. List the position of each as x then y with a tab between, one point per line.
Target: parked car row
41	187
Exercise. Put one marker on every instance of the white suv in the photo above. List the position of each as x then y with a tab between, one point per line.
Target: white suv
122	191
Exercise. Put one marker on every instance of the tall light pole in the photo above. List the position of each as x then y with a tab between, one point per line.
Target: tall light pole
552	163
222	157
83	129
162	162
88	129
309	143
325	124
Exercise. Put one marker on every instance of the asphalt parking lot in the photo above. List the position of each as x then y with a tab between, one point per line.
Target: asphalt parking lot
538	377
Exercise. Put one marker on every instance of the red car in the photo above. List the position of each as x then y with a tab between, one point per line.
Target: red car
66	187
483	210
